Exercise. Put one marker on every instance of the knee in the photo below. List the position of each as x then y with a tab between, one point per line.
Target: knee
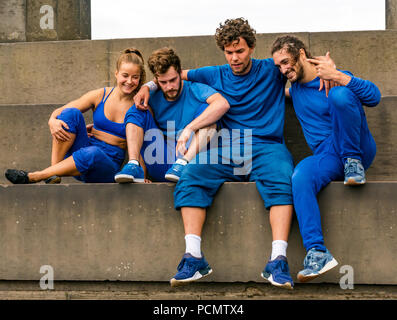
301	178
71	115
338	96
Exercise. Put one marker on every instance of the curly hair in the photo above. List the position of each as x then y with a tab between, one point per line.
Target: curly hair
232	30
162	59
292	45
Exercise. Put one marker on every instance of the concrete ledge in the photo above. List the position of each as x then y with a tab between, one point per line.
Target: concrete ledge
26	141
91	232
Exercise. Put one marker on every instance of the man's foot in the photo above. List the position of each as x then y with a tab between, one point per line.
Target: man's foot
130	173
190	269
316	263
354	172
53	180
17	176
277	273
174	173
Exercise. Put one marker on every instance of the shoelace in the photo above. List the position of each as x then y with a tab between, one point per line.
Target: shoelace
281	267
189	265
351	167
310	261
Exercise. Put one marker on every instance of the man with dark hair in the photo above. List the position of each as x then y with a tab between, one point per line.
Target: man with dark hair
254	127
151	134
335	129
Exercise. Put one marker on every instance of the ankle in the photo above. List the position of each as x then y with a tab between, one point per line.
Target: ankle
34	177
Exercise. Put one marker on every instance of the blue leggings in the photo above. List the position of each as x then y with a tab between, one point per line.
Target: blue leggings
350	138
96	160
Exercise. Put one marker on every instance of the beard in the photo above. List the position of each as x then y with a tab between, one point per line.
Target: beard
300	73
173	94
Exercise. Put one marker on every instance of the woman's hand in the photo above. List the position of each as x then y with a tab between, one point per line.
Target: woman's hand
141	98
89	129
57	129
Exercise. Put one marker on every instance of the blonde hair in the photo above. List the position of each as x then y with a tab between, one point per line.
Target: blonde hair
132	55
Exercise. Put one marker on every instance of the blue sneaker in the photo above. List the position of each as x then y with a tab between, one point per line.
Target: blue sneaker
316	263
174	173
190	269
354	172
277	273
131	172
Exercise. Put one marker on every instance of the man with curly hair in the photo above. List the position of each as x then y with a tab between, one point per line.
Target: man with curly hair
255	91
253	126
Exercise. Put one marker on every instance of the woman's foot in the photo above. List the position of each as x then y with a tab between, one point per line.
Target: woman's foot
17	176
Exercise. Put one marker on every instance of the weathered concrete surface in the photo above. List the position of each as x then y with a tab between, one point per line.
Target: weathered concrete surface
12	21
366	54
391	14
26	142
25	137
58	72
132	233
28	20
72	20
51	72
127	290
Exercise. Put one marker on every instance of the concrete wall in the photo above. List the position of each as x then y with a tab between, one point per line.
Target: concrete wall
25	140
12	21
60	71
391	14
122	232
44	20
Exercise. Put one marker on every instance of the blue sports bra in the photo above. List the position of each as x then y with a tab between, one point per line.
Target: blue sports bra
104	124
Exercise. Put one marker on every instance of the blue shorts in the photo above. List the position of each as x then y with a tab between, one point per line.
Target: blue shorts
270	165
96	160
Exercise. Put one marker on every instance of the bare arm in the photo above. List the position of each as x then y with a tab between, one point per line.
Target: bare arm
287	93
184	74
84	103
217	107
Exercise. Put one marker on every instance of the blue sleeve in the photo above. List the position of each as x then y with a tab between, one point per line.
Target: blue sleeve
202	92
365	90
203	75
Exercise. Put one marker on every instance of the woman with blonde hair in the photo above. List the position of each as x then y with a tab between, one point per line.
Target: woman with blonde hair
92	153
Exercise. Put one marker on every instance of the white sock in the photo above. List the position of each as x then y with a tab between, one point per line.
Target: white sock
134	162
182	161
279	248
193	245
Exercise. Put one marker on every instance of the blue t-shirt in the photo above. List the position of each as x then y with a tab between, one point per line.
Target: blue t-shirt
313	111
257	99
179	113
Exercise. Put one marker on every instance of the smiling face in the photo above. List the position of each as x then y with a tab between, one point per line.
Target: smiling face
170	83
238	55
288	66
128	77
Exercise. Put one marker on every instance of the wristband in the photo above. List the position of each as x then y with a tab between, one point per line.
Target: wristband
151	85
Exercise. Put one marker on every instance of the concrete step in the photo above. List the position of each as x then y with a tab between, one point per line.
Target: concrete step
26	141
61	71
215	291
131	232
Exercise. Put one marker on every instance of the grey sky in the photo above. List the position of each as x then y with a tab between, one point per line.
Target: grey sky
154	18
